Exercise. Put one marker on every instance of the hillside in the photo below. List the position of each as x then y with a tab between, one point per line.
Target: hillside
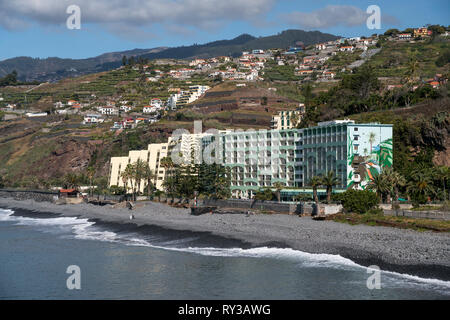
52	69
244	42
41	151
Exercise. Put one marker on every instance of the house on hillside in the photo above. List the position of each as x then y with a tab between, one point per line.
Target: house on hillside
93	119
404	36
108	110
422	32
125	108
346	48
321	46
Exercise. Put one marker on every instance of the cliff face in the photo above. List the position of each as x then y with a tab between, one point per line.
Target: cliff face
442	158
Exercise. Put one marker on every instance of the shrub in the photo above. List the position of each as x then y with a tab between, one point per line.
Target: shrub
359	201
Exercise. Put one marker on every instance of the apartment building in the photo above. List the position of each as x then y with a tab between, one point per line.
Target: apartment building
152	156
259	159
287	119
355	152
290	157
191	95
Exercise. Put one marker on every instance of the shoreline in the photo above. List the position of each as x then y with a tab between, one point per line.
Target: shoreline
422	254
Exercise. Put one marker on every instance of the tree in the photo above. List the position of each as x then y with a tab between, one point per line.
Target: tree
278	187
359	201
391	32
379	184
264	194
169	181
420	187
394	180
90	173
315	182
128	175
149	176
139	168
411	72
9	79
71	181
443	173
307	93
329	181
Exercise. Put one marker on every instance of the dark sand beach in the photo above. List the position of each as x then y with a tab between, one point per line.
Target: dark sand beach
424	254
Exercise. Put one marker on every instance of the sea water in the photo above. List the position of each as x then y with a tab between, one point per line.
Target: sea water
123	262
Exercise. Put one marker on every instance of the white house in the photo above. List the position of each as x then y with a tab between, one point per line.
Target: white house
346	48
156	103
321	46
93	118
259	51
150	109
108	110
59	105
125	108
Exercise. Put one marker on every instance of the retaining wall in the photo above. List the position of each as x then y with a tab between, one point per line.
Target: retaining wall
36	195
437	215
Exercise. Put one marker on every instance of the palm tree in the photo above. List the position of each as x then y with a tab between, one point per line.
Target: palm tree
394	180
71	180
380	184
278	186
169	180
124	177
421	185
139	173
315	182
128	174
329	181
413	66
90	174
442	173
149	176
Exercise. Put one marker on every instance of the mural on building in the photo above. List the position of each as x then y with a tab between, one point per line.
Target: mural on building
363	166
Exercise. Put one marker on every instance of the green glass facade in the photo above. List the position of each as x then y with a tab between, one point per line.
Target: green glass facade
292	157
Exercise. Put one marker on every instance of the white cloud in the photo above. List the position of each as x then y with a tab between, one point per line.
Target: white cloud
134	14
332	16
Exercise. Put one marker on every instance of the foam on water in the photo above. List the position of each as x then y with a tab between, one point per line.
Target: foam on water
86	230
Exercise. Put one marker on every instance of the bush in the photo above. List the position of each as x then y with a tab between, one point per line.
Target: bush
358	201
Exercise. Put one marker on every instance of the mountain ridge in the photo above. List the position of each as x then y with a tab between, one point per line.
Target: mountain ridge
54	68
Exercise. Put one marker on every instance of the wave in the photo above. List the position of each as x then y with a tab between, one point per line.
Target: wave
86	230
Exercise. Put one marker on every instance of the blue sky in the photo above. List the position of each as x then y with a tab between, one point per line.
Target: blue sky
37	28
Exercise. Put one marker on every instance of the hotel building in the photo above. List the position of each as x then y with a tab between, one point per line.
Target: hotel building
290	157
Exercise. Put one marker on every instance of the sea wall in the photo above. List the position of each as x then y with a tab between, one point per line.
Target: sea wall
434	214
36	195
252	204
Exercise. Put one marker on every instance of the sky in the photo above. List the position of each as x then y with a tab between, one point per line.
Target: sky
38	28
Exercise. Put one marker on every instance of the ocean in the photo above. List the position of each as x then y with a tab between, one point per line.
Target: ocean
126	262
